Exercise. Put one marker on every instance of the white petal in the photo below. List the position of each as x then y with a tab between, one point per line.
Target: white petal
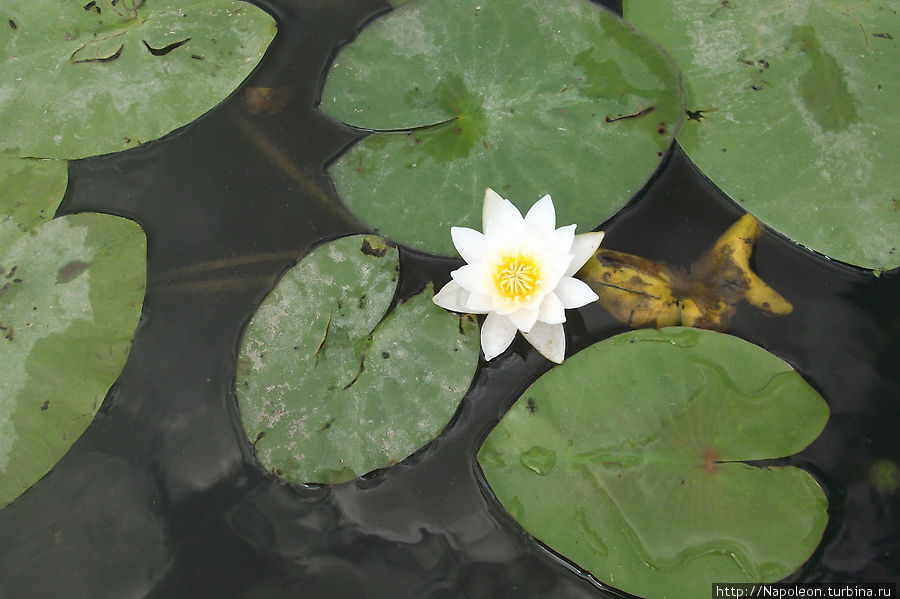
574	293
542	215
497	333
562	239
452	297
549	340
524	318
480	303
498	214
583	247
469	243
470	277
554	268
551	310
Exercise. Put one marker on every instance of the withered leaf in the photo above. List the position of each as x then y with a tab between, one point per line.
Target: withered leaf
648	293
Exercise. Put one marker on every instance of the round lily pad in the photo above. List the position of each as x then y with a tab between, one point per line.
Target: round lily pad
71	292
793	114
549	96
84	78
629	459
330	387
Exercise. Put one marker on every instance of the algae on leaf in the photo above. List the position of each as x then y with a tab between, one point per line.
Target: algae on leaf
549	96
71	292
793	114
329	386
85	78
648	433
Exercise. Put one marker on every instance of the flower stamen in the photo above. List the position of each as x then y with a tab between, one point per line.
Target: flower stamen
518	276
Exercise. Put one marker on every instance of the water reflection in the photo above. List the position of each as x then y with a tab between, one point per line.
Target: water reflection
162	497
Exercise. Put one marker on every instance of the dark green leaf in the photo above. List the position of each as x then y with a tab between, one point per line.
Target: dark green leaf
628	460
549	96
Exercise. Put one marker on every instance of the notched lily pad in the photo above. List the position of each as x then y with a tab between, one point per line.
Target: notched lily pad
794	114
648	433
105	75
548	96
71	292
329	386
647	293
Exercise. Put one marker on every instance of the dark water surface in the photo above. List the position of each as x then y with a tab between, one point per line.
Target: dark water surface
161	496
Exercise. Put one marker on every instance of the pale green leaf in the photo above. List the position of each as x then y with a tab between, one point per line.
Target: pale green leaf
329	386
71	292
84	78
794	114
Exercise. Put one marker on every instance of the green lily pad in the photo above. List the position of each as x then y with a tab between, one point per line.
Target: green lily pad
794	114
84	78
30	191
628	460
548	96
329	386
71	292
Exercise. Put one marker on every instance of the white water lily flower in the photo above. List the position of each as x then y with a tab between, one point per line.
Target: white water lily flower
519	273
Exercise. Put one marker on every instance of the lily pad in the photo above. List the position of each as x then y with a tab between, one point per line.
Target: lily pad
550	96
30	191
629	460
330	387
84	78
793	114
71	292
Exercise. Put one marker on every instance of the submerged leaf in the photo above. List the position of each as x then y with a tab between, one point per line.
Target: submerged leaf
793	114
102	76
548	96
329	386
650	452
71	292
646	293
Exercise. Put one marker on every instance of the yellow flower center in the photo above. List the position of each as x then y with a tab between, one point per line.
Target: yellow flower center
517	276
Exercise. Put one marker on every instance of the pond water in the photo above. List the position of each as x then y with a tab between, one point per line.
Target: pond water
162	497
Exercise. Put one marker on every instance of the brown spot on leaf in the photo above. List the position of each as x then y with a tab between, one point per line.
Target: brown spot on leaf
165	49
259	437
633	115
70	271
710	460
98	58
370	250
